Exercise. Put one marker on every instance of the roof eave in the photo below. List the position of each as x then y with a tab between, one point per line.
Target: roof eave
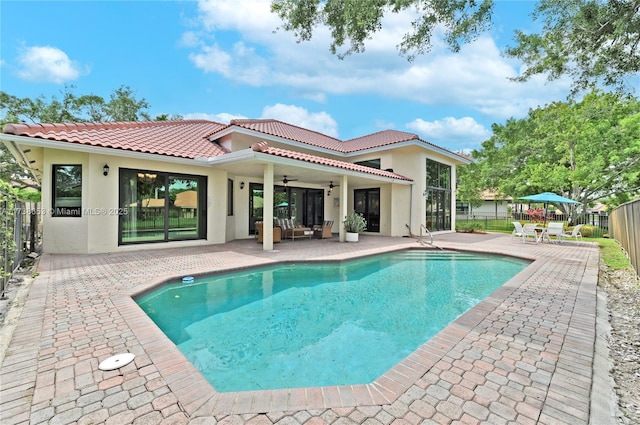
418	143
102	150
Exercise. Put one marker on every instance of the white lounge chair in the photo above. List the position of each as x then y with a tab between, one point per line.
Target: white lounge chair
524	232
575	233
555	229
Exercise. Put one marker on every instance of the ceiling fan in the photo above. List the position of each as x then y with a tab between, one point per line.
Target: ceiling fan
285	180
331	186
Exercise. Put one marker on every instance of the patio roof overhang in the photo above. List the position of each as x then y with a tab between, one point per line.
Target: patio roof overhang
304	168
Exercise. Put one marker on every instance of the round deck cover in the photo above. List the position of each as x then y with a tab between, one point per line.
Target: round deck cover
117	361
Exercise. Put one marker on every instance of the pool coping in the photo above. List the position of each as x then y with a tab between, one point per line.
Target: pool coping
199	398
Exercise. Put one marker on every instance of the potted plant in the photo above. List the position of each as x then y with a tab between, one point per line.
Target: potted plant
354	224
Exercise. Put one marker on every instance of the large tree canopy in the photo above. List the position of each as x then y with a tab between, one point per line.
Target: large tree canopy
354	21
592	41
585	150
121	106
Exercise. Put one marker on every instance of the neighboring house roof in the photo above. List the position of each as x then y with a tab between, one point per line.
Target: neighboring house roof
183	139
263	147
492	195
187	199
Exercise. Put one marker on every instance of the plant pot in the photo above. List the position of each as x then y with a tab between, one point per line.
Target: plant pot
351	237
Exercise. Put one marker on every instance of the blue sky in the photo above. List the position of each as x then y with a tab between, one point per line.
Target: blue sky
222	59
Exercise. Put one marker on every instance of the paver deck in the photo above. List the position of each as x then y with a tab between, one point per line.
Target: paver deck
524	355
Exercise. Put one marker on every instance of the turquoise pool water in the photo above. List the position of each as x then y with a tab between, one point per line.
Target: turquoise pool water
301	325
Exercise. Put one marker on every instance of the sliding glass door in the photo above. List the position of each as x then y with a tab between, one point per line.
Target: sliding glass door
160	207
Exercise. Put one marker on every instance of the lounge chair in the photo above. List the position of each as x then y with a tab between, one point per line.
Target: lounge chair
277	232
524	232
575	233
323	231
290	230
555	229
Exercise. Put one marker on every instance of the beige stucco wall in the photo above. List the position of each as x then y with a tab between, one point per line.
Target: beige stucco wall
406	203
96	230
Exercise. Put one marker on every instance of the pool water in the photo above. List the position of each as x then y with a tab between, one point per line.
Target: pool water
318	324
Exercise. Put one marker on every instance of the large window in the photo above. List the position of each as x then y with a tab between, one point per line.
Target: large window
67	191
160	207
438	196
372	163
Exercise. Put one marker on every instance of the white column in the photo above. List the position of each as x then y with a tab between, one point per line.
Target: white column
454	191
344	210
267	208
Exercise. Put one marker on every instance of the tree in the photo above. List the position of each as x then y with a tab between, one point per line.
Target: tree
122	106
594	42
354	21
591	41
587	150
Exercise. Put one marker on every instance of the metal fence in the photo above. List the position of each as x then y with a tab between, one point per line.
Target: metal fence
19	234
624	220
598	224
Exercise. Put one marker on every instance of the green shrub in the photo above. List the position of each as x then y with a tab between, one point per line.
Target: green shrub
469	227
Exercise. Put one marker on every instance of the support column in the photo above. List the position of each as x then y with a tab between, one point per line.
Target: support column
344	207
267	208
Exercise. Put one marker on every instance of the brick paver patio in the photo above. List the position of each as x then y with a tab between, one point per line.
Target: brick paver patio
524	355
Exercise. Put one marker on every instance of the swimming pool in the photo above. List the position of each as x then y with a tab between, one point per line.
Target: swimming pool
319	324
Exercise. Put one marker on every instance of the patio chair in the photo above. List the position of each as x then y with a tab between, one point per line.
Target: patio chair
323	231
575	233
555	229
277	232
290	230
524	232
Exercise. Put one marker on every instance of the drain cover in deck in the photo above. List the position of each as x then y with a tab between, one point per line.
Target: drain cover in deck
117	361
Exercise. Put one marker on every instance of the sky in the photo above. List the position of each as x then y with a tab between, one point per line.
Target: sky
226	59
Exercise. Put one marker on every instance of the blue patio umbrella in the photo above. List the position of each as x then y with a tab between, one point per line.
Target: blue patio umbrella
549	198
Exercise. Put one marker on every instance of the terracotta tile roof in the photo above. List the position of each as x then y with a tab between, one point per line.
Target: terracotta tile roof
290	132
302	135
381	138
183	139
263	147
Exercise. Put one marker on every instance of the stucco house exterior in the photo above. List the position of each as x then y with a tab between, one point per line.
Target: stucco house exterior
109	187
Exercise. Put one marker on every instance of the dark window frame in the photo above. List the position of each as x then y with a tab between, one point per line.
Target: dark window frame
201	210
58	210
229	197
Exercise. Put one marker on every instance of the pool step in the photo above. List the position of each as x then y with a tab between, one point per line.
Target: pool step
436	255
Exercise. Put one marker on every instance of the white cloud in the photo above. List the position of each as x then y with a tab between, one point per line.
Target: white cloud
291	114
317	121
47	64
463	133
477	77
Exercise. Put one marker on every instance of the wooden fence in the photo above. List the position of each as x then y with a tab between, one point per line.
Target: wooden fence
625	228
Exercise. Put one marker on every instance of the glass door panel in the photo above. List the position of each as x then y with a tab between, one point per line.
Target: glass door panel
183	208
142	197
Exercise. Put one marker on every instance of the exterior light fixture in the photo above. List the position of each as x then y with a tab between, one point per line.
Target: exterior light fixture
241	185
105	169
